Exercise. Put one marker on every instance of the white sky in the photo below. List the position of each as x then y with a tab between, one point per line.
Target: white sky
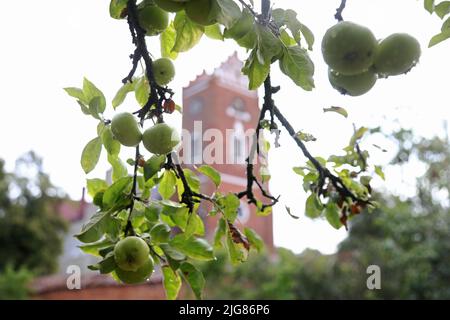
48	45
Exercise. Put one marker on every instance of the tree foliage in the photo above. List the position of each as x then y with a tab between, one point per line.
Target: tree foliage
31	231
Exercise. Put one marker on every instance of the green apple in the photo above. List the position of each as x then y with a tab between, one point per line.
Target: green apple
201	12
354	85
349	48
153	19
163	71
126	129
397	54
140	275
170	5
160	139
131	253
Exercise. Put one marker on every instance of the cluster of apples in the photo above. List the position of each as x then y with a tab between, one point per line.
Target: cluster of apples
154	18
133	260
158	139
356	59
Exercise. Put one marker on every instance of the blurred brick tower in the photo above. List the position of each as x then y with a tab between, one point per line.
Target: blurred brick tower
220	102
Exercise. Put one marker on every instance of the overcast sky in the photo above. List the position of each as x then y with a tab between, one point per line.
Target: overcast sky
48	45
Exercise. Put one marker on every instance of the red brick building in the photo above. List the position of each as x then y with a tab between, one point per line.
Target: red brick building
219	102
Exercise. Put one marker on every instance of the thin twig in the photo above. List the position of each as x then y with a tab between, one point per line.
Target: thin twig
249	7
338	15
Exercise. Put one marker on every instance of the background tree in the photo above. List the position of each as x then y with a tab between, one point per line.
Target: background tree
14	284
31	231
409	238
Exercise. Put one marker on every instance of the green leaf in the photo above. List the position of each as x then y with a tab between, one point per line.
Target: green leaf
167	184
306	137
230	205
297	65
108	264
429	5
94	106
117	8
358	135
446	26
379	172
279	17
293	24
338	110
93	230
91	155
236	251
214	32
122	94
188	33
268	45
153	166
84	108
178	216
194	226
171	252
116	190
444	35
111	145
287	39
76	93
248	41
90	92
95	185
172	283
160	233
221	231
256	72
194	248
227	12
314	207
211	173
142	90
438	38
94	248
308	35
152	212
297	28
171	204
119	169
442	9
194	277
167	41
332	215
255	240
299	170
192	179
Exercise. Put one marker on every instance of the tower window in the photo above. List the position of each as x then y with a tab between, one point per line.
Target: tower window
196	106
238	104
